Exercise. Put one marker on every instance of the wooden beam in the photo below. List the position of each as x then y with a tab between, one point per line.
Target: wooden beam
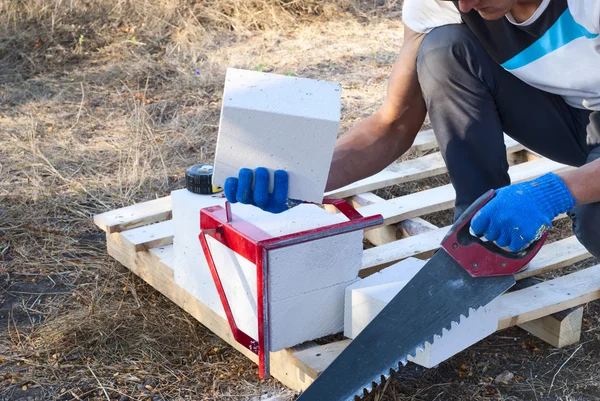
522	156
415	226
379	235
406	171
137	215
148	266
559	329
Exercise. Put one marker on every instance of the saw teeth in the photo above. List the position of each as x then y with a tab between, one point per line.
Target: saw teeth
420	348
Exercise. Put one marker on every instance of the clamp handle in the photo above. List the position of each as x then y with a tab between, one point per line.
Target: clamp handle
484	259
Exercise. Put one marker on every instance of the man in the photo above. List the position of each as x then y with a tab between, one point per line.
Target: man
529	68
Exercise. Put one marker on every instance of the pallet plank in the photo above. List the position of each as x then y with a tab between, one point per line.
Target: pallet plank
550	297
442	198
419	246
425	140
423	245
406	171
165	255
552	256
151	236
137	215
318	357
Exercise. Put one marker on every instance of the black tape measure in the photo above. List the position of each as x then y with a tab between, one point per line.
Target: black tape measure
198	179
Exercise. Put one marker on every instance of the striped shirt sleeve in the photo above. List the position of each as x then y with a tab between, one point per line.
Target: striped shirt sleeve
586	13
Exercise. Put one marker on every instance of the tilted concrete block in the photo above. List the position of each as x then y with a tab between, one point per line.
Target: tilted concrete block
367	297
278	122
306	281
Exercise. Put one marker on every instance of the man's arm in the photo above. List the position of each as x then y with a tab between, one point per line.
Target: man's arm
584	182
377	141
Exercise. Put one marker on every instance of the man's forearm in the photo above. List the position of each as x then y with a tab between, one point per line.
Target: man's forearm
367	148
377	141
584	182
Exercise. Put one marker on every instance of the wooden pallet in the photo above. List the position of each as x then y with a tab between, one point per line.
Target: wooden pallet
141	236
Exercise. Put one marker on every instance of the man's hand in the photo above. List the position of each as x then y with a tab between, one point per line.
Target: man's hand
240	190
520	213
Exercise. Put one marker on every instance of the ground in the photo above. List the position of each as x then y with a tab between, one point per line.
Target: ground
106	103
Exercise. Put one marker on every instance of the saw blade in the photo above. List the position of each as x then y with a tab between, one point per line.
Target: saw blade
437	296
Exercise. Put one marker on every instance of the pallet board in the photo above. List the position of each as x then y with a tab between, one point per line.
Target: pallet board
410	170
140	237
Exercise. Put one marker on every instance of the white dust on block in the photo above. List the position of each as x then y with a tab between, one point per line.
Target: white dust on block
367	297
306	281
278	122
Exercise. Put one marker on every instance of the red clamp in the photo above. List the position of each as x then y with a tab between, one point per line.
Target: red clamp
254	244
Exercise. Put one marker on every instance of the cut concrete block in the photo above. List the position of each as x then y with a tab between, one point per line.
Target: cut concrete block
479	324
303	278
367	297
278	122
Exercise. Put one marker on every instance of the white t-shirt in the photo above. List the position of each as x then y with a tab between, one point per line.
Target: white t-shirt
556	50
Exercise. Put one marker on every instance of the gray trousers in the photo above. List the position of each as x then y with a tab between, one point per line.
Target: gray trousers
471	101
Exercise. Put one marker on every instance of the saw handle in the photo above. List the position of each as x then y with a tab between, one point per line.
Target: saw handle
484	259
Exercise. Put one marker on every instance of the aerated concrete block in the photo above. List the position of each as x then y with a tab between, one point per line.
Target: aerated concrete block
306	281
367	297
278	122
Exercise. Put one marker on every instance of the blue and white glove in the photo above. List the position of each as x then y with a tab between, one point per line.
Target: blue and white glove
240	190
521	213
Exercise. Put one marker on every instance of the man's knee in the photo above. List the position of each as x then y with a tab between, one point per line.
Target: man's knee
586	218
444	50
586	226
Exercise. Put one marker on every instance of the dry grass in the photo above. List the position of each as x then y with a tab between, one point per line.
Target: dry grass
105	103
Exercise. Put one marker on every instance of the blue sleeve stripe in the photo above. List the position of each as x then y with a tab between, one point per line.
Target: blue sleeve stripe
564	30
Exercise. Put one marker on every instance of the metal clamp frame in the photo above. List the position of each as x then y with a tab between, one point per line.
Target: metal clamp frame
254	244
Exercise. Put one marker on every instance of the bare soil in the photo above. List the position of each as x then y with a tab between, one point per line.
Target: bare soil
106	103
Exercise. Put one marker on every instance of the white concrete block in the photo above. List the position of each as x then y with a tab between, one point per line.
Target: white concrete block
278	122
367	297
303	278
308	316
479	324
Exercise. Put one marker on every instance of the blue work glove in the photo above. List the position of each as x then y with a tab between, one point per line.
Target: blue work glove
519	214
240	190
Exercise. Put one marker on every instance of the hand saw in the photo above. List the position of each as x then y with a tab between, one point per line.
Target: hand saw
465	274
